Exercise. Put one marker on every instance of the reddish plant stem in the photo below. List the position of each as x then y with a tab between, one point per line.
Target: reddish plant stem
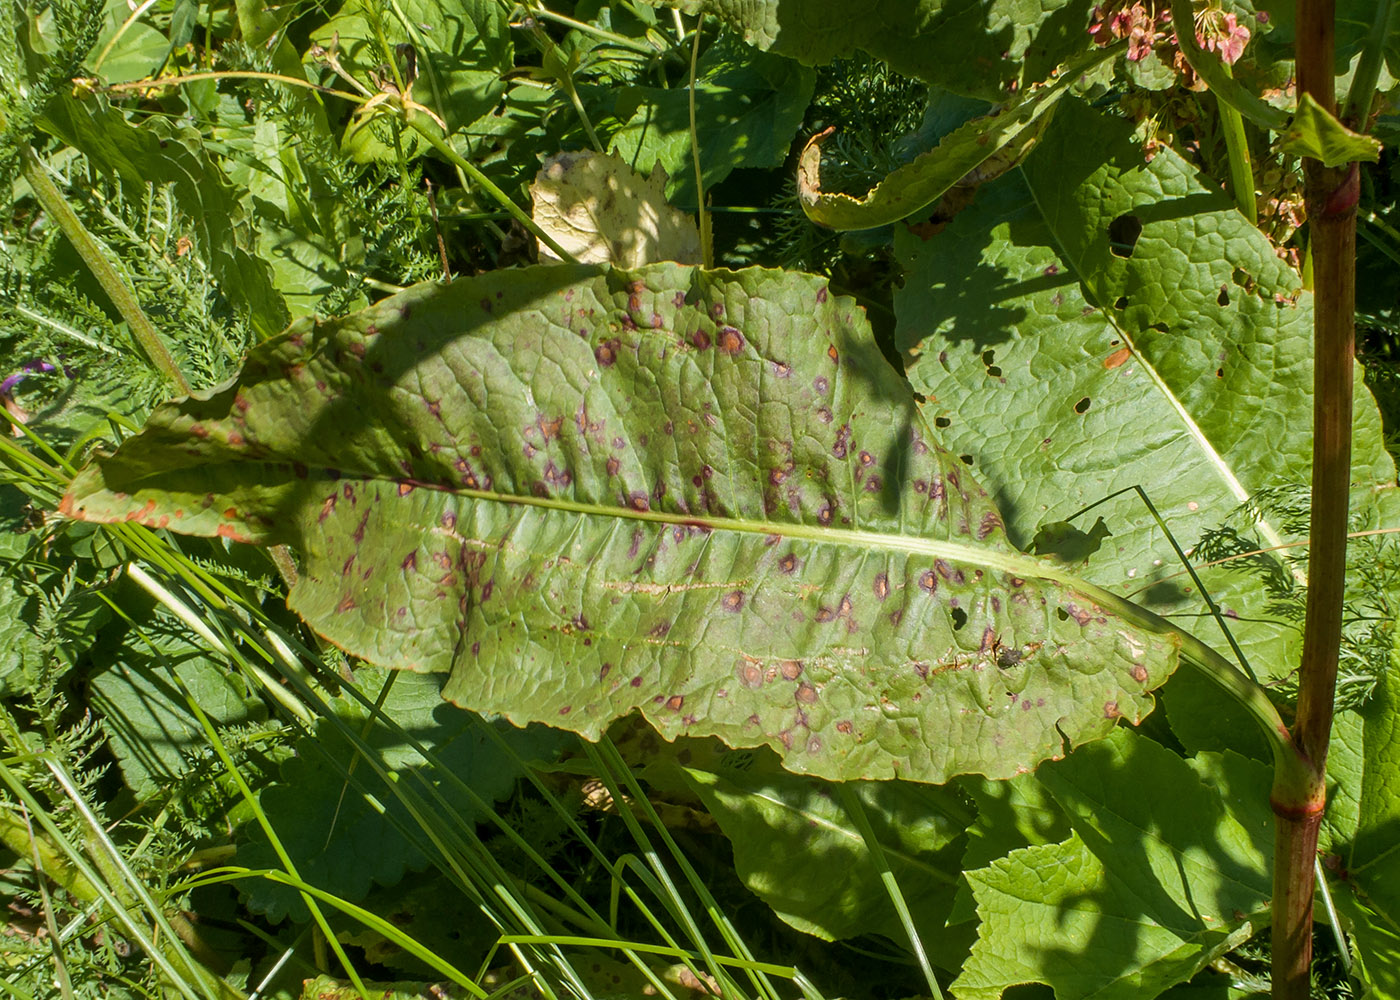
1331	195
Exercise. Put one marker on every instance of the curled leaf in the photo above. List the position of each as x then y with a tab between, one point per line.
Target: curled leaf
980	150
603	212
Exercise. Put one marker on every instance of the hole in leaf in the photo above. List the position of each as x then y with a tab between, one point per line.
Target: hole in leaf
1062	614
966	459
1082	405
1243	279
994	371
1122	302
959	618
1220	373
1223	299
1159	327
941	422
988	357
1123	233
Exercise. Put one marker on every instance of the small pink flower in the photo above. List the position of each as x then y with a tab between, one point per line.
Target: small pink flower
1225	37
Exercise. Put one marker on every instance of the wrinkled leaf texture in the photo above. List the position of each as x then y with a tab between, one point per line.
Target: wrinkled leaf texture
704	496
1095	322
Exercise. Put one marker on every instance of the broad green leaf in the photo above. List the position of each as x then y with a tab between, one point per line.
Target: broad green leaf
969	47
127	51
702	496
748	106
779	822
166	154
980	150
1101	322
604	212
1315	132
376	837
153	733
1011	815
1364	821
462	48
1168	867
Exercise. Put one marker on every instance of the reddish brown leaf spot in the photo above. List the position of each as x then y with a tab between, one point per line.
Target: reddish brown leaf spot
882	585
928	582
660	629
199	431
733	601
806	694
825	615
410	562
750	675
675	702
1139	673
638	501
635	682
1117	357
844	726
790	669
825	513
1110	710
405	489
613	465
566	710
843	438
866	458
606	352
346	603
788	563
229	514
833	354
991	521
821	295
731	341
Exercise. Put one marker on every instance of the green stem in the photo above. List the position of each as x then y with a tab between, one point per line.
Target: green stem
415	121
855	809
1237	149
592	29
707	243
68	223
1210	69
1362	94
290	81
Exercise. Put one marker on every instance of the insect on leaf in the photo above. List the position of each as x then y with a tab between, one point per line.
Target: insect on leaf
701	496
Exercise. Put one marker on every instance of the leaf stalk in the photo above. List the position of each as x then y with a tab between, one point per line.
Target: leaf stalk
68	223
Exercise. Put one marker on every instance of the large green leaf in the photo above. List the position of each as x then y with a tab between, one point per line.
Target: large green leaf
704	496
376	836
980	49
782	824
1362	832
1100	323
1168	867
155	736
748	106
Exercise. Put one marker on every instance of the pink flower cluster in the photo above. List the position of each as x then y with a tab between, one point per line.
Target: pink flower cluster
1220	33
1145	28
1142	28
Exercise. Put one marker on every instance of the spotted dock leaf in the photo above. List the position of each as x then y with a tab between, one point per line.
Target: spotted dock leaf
704	496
